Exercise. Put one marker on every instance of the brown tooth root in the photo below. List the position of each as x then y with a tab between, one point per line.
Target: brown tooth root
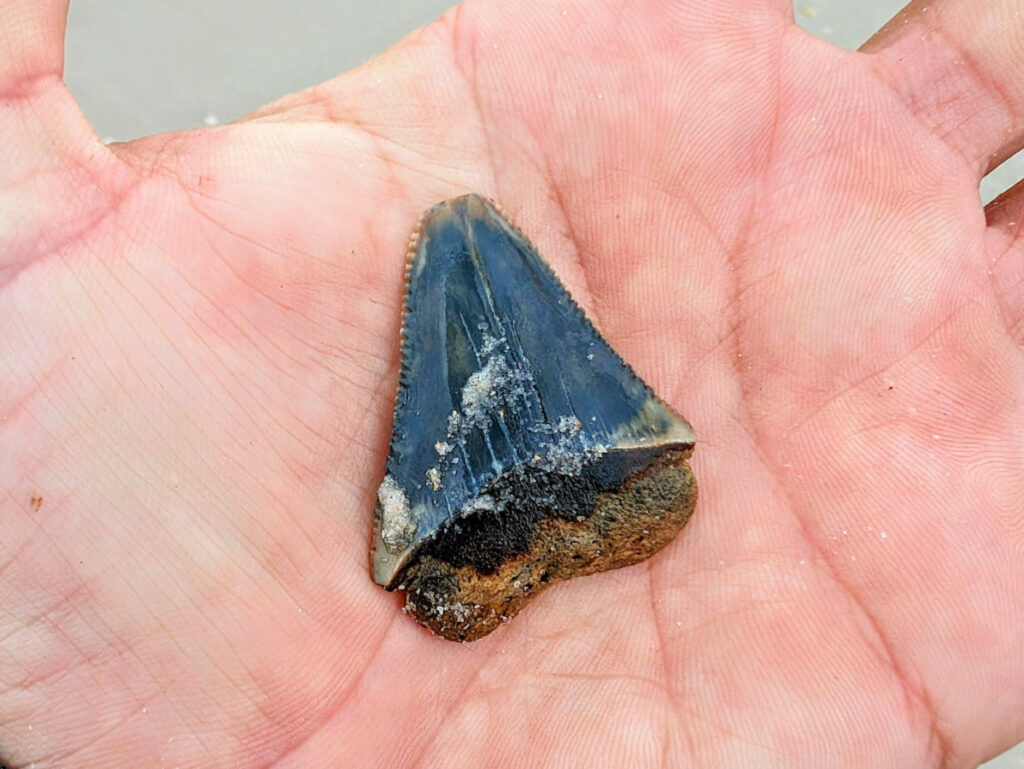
625	528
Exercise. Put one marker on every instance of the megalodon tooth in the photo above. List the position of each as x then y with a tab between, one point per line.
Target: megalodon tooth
524	450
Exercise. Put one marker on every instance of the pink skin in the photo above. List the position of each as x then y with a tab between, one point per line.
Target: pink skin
198	359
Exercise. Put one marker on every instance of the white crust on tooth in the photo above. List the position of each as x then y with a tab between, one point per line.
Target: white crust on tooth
396	524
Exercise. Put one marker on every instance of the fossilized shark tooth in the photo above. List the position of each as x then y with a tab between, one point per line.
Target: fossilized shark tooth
524	450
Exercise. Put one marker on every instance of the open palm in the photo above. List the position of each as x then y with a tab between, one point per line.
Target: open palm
198	357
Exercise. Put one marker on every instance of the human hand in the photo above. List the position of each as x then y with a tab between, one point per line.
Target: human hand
198	361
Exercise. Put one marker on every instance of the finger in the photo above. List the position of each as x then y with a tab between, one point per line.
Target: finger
957	65
37	113
50	168
31	44
1006	245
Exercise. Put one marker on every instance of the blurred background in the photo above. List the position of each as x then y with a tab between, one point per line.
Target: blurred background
141	67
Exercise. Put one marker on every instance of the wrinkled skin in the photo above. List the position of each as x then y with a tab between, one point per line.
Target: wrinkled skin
198	359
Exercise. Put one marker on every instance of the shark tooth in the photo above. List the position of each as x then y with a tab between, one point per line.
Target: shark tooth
524	450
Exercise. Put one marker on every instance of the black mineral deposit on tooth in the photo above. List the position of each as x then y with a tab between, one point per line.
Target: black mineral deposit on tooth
524	450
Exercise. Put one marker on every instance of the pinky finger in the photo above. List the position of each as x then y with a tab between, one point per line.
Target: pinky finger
50	166
31	43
